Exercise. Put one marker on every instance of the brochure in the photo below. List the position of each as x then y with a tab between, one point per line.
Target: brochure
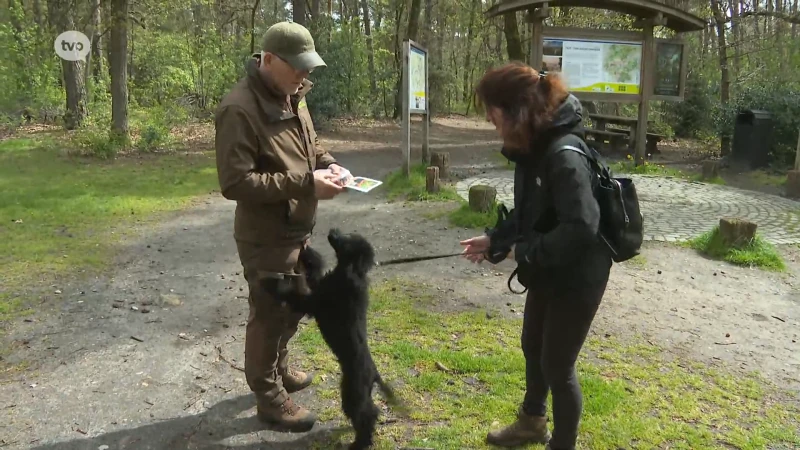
363	184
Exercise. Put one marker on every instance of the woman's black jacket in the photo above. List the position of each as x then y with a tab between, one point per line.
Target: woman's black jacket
556	217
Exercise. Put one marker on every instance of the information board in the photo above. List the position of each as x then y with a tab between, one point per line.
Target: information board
415	99
416	91
669	59
590	65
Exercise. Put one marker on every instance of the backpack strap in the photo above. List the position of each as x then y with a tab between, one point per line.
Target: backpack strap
601	170
605	176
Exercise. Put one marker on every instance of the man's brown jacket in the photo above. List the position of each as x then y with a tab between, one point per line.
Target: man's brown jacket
267	150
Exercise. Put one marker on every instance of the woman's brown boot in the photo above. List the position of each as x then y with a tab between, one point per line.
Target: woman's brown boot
526	430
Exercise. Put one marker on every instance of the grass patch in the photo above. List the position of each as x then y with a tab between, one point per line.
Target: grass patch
629	167
398	186
698	177
503	162
758	253
633	396
768	178
61	215
465	217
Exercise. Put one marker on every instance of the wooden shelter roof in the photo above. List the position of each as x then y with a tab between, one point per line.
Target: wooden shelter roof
676	19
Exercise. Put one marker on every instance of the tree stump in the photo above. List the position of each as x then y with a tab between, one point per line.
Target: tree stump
737	233
710	169
432	179
793	184
442	161
482	198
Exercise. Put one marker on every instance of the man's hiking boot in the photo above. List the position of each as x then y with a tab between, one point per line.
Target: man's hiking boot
294	380
286	416
526	430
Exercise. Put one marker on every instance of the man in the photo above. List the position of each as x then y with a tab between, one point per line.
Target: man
270	162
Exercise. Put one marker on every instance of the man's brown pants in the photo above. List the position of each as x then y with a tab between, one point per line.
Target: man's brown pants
269	324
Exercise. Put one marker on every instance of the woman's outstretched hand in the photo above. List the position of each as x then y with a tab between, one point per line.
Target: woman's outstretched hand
475	248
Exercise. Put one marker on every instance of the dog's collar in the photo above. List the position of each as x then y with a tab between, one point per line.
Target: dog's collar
280	276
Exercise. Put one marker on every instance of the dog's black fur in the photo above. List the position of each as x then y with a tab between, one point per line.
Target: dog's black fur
338	301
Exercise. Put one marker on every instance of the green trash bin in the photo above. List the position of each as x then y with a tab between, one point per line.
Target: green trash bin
752	137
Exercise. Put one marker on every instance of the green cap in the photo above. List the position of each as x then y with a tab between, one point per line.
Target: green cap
293	43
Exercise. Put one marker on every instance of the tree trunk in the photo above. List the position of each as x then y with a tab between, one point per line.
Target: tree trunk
97	41
378	16
316	7
253	26
724	96
299	11
736	33
373	85
73	71
119	67
468	53
513	42
398	60
37	16
413	20
15	23
427	31
793	48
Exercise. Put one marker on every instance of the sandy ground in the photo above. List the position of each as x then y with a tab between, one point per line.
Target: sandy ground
137	359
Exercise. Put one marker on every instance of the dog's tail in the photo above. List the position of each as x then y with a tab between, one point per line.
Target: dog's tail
391	398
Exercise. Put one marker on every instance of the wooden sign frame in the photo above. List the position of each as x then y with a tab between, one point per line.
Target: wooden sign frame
555	33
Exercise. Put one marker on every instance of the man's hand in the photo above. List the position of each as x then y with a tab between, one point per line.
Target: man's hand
475	248
324	186
342	175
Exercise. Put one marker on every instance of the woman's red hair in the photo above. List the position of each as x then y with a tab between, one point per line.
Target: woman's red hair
526	99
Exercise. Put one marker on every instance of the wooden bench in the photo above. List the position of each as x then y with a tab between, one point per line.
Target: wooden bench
616	140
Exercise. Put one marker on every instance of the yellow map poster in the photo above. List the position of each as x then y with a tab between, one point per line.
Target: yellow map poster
595	66
416	69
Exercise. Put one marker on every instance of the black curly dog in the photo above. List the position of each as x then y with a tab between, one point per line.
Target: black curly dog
338	301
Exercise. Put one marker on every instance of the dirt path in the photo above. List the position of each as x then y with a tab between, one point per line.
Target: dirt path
96	372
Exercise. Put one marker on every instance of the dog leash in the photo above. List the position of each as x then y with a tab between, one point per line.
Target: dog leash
422	258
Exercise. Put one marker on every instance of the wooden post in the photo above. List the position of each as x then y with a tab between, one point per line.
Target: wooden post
482	198
710	169
797	152
432	179
405	114
536	18
793	177
737	233
646	89
426	123
442	161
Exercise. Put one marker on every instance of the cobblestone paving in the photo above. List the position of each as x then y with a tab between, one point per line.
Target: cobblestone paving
677	210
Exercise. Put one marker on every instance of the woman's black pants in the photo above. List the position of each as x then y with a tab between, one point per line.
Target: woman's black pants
555	325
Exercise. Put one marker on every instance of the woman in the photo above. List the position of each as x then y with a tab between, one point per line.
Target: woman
552	235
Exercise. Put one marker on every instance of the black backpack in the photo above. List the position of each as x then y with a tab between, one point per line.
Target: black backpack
621	221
